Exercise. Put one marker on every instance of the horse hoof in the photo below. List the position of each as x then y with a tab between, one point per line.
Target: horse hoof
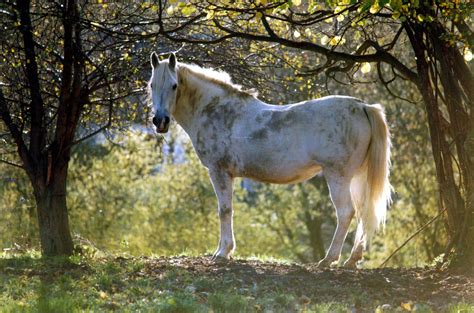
324	264
350	264
219	259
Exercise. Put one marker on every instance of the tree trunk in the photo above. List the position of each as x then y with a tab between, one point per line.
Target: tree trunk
45	154
469	235
52	214
313	224
446	85
458	88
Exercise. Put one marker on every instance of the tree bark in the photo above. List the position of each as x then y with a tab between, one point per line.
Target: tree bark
313	224
469	233
53	221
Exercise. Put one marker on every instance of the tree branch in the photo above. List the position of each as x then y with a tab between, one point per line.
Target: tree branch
379	56
269	30
412	236
11	163
36	110
15	133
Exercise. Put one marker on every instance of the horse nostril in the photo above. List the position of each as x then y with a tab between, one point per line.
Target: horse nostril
167	120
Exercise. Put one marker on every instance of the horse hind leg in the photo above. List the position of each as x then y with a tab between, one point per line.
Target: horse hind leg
358	190
357	249
340	192
222	183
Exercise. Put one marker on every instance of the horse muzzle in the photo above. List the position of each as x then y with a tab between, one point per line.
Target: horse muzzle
161	123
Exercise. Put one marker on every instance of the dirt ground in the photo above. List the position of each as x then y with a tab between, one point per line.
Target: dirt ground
362	290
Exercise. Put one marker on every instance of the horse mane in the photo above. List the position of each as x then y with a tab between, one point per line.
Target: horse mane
219	78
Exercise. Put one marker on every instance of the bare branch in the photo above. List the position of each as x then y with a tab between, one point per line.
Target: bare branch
379	56
15	133
386	84
11	163
412	236
36	109
269	30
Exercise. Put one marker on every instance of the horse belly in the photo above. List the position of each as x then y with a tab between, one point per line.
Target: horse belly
285	176
277	167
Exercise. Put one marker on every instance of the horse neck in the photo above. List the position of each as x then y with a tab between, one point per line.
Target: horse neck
193	95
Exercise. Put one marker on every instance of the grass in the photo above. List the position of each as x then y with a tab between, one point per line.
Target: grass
29	283
461	307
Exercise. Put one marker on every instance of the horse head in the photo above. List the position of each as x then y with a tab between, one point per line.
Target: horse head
162	87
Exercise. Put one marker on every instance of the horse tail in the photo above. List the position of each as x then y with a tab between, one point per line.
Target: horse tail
370	187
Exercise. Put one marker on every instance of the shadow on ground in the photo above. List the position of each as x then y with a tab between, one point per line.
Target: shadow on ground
196	284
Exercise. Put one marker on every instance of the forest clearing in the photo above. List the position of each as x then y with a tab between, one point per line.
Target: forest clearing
236	156
196	284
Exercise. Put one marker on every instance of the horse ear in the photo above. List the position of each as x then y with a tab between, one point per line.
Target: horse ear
172	62
154	59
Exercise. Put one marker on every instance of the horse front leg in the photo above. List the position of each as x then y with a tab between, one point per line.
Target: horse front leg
223	187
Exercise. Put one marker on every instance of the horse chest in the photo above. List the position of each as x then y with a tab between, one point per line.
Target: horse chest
213	148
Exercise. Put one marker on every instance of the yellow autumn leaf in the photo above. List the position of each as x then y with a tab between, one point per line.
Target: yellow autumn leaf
340	18
467	55
338	9
324	40
337	40
357	35
170	10
374	8
334	41
296	2
126	56
210	14
365	68
296	34
407	305
188	10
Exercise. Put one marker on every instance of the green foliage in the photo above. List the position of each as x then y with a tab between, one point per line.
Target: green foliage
136	207
17	209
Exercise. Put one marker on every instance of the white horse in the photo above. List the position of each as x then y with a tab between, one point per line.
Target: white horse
237	135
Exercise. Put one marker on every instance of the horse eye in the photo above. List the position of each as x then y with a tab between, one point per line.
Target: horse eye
175	86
